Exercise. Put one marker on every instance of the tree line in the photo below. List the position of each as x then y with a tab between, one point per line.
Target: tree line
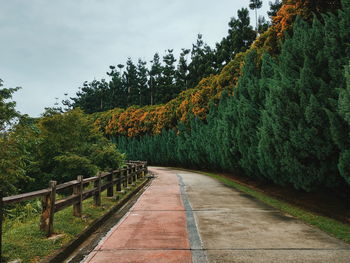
165	76
288	121
59	145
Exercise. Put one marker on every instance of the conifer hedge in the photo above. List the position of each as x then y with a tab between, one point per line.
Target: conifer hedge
288	121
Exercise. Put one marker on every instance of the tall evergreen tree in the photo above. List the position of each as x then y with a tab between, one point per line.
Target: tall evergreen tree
155	75
337	56
142	73
197	54
167	89
344	112
263	24
240	36
118	93
93	96
255	5
181	74
131	83
274	7
202	62
295	140
248	102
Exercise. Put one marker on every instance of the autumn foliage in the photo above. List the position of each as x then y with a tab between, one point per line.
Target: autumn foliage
304	8
150	120
137	121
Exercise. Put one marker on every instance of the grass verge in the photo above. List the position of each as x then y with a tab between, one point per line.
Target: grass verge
23	239
328	225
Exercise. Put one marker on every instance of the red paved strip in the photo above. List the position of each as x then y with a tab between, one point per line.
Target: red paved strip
154	231
160	256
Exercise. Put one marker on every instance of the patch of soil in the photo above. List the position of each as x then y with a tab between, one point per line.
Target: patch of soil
333	203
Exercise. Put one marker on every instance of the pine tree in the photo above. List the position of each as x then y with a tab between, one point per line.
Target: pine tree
167	89
263	24
255	5
240	36
274	7
181	74
142	73
93	96
116	86
131	83
202	62
155	75
197	54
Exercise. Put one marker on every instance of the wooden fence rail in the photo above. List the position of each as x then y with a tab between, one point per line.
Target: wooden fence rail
119	178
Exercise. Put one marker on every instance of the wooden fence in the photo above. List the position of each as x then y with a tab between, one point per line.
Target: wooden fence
119	178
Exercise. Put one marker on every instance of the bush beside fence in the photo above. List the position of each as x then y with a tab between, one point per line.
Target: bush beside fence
119	179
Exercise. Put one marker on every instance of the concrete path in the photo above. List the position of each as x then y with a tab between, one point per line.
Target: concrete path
155	229
187	217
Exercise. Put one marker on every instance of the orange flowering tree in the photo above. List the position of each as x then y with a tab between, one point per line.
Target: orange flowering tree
138	121
150	120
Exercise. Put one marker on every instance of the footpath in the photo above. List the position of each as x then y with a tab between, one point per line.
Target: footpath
184	217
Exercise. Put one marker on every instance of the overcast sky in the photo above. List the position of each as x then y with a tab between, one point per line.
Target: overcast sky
51	47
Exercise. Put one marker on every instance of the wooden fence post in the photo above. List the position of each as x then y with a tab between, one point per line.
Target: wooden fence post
143	170
129	175
137	172
125	178
97	185
110	188
119	182
78	190
133	173
1	218
47	215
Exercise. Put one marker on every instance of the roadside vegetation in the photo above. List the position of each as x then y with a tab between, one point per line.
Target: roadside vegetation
278	112
272	101
22	238
58	146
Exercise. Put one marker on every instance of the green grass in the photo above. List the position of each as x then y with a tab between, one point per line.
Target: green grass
326	224
23	240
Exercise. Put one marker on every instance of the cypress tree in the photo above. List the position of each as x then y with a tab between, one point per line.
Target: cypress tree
249	98
344	112
282	114
295	142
